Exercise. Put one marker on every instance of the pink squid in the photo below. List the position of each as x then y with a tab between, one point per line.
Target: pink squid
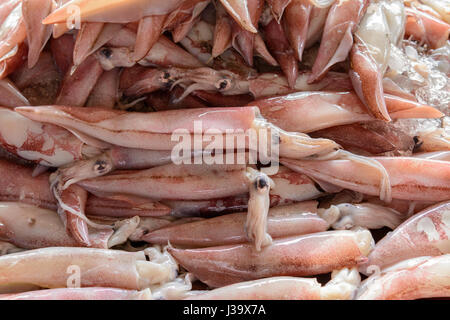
305	255
424	234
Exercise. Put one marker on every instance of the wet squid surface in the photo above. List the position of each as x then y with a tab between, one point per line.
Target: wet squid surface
216	150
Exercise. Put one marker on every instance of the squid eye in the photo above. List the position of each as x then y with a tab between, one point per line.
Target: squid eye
100	166
223	84
106	52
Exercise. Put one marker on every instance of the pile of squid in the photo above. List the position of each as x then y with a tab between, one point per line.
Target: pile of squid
356	94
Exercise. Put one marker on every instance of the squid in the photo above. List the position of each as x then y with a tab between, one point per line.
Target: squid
259	185
410	178
13	28
279	46
30	227
434	140
181	20
77	86
366	215
222	32
289	187
277	8
385	139
10	95
371	50
117	11
283	221
147	34
426	28
242	39
163	53
228	87
293	112
57	267
296	23
91	37
161	125
337	39
105	92
241	12
44	144
342	286
173	182
305	255
417	278
34	11
94	293
424	234
9	64
21	185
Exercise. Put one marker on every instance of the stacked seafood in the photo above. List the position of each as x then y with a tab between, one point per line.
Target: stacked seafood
98	200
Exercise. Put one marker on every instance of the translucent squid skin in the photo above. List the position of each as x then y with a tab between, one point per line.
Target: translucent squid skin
293	112
30	227
76	88
141	130
305	255
174	182
279	46
34	11
296	23
117	11
283	221
10	96
371	50
418	278
426	28
52	268
424	234
342	287
410	178
239	10
13	26
80	294
337	38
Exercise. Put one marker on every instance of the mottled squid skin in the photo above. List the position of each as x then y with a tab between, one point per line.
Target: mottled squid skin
305	255
174	182
417	278
426	233
283	221
44	144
